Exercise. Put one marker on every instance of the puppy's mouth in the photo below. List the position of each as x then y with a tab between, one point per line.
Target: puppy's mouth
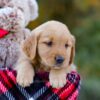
53	66
57	66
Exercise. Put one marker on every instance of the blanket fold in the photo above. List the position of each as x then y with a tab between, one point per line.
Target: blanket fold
40	89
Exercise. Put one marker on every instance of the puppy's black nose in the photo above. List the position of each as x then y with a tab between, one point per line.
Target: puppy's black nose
59	59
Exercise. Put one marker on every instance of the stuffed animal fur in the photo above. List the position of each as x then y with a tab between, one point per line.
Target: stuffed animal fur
14	17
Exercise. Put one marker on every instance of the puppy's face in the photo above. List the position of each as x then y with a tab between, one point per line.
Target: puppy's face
54	48
54	44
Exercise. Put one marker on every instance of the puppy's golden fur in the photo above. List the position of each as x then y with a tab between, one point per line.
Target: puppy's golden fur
38	52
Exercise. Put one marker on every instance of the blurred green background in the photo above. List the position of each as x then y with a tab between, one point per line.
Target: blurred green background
83	19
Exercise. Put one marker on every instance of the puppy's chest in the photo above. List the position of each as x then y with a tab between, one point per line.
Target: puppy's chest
41	68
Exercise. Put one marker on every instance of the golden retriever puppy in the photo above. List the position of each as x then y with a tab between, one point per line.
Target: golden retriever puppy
51	48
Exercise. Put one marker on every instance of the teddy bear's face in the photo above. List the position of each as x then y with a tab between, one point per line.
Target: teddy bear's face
16	14
11	19
29	8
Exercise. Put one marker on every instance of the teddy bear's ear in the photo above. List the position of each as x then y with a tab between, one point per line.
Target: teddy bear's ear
33	6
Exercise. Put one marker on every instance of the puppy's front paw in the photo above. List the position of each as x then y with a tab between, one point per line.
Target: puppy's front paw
25	77
57	80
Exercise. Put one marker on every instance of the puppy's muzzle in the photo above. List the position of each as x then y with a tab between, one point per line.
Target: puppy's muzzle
59	60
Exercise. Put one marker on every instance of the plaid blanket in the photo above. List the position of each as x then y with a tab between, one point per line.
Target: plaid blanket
39	90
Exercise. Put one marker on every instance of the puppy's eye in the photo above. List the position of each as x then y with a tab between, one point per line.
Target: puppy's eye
66	45
48	43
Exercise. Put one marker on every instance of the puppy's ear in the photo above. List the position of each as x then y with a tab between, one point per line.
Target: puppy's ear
72	50
29	46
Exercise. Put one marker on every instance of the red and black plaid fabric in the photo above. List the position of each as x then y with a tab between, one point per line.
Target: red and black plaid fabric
39	90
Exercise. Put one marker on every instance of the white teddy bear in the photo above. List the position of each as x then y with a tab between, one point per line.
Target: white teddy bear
14	17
